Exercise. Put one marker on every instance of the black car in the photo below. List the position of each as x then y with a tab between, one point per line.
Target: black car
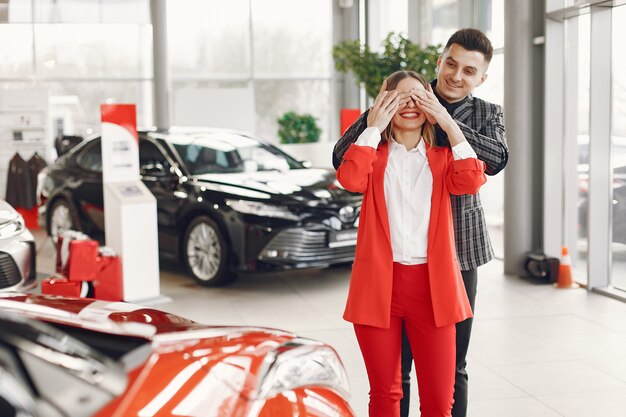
227	201
618	208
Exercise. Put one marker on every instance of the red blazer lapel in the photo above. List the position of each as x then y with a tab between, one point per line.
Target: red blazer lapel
378	181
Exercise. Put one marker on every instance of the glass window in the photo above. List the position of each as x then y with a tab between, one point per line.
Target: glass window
126	11
87	50
275	98
302	28
210	38
490	19
16	54
78	102
85	53
445	14
91	11
584	80
15	85
74	11
386	16
179	101
492	89
226	153
19	11
486	15
618	151
90	158
267	159
150	156
232	44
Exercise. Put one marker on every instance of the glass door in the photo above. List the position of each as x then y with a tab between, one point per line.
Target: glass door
618	150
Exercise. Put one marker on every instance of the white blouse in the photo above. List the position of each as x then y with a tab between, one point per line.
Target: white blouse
408	192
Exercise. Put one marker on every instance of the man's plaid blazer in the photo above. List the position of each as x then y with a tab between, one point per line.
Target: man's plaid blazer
482	124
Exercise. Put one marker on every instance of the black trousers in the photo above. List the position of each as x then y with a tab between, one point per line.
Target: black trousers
463	332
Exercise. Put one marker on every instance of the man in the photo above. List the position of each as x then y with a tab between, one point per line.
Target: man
460	69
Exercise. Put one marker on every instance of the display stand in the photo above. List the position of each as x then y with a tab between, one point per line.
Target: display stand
130	214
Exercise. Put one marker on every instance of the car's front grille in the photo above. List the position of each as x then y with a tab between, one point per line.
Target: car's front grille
299	246
9	273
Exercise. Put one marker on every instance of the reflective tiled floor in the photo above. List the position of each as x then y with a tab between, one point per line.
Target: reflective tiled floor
536	351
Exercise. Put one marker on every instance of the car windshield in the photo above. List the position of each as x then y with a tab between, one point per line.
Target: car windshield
230	153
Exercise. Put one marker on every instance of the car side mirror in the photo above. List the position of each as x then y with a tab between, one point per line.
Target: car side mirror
306	164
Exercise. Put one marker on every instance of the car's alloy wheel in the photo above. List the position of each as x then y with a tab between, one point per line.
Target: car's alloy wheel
205	253
61	218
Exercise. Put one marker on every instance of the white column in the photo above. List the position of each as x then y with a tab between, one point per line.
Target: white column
570	141
600	175
158	14
520	191
415	20
345	27
554	132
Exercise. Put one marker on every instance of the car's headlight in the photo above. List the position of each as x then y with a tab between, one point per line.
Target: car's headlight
302	363
261	209
11	224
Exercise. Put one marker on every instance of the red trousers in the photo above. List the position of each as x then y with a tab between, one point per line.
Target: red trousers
434	349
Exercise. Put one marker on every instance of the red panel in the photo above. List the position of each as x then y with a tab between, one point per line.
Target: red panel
108	284
348	116
83	260
124	115
60	286
30	217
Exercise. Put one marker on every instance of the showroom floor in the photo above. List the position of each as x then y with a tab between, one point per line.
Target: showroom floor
536	351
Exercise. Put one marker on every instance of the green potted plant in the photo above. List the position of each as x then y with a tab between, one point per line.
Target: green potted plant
399	53
298	128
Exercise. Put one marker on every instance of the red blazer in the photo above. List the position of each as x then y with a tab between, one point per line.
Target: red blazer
369	297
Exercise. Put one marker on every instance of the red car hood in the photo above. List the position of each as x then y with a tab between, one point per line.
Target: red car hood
186	368
117	318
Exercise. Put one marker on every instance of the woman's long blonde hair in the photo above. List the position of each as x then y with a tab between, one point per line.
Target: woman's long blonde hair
428	130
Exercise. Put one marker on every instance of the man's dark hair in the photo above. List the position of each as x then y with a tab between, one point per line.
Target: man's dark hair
472	40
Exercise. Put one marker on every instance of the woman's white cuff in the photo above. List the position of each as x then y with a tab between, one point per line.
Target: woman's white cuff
370	137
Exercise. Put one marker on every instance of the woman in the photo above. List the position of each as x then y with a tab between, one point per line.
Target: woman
405	271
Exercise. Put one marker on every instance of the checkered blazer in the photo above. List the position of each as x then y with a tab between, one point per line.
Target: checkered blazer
482	124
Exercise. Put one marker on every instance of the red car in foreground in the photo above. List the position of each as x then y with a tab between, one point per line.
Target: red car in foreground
81	357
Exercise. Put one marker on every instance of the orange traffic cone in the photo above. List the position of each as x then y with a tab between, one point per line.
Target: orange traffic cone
565	271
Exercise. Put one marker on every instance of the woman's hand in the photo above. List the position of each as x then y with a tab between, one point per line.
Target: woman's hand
434	110
384	108
415	94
